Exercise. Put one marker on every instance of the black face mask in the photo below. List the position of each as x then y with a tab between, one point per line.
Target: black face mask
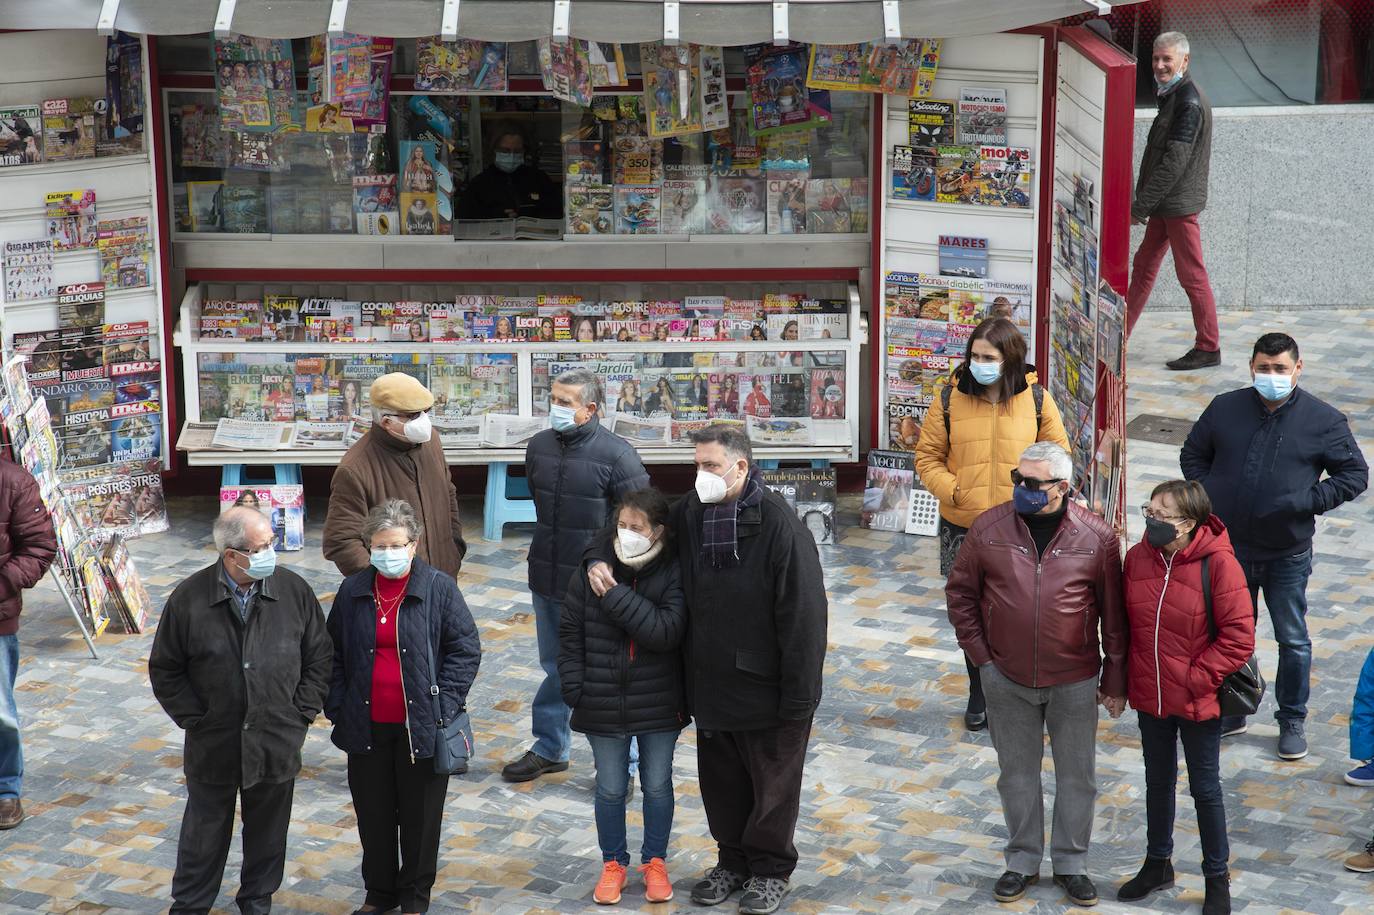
1159	534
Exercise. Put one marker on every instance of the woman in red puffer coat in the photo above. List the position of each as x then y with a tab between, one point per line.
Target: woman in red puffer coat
1175	665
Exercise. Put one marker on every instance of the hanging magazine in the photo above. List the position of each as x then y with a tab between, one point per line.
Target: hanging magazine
778	96
255	84
566	70
982	116
465	65
842	67
672	88
28	270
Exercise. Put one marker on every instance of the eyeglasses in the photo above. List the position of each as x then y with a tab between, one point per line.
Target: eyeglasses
1017	479
1150	514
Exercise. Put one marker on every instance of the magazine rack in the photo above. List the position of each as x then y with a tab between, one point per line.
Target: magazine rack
1069	100
35	66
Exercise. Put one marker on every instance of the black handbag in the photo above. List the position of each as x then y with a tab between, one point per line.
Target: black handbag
1241	692
452	737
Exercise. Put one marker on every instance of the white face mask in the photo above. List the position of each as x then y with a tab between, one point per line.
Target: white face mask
711	488
418	430
633	543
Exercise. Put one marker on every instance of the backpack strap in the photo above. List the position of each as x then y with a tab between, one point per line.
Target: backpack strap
1207	596
945	393
1038	394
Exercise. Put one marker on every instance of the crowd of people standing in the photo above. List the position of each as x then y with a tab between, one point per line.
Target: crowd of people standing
712	611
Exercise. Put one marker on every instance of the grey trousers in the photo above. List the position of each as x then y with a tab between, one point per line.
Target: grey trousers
1018	717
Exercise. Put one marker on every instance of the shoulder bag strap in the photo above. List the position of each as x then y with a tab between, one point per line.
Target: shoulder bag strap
945	393
1038	394
430	639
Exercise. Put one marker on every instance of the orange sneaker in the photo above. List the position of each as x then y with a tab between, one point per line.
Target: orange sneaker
657	886
611	883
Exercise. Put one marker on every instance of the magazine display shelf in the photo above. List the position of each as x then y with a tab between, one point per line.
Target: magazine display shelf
501	508
57	64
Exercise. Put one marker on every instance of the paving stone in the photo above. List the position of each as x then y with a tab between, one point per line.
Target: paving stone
900	811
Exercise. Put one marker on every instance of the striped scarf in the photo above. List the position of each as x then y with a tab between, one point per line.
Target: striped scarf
719	522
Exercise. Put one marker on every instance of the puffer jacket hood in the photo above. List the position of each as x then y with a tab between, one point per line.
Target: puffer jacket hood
1176	665
969	467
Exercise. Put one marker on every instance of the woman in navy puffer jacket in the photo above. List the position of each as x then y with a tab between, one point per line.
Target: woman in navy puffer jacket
1176	663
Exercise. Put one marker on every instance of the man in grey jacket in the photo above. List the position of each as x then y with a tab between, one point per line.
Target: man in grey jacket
1170	193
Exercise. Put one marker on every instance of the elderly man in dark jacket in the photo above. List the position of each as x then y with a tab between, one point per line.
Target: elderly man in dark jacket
398	458
757	616
241	661
576	471
1170	193
1260	452
25	554
1035	580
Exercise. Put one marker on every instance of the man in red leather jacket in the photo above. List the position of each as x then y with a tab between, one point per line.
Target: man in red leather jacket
1035	581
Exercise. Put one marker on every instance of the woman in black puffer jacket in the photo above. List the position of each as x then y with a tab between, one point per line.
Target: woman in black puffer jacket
621	671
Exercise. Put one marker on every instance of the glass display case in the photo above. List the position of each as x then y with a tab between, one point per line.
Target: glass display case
783	365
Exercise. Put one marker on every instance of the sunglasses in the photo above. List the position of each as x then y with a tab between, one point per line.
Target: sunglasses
1017	479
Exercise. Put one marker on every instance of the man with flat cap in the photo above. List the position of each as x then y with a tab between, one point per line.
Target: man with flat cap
398	458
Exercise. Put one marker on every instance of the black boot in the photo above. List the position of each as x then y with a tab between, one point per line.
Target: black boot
1218	898
1155	874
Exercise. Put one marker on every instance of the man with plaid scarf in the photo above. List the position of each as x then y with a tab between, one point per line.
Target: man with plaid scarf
757	615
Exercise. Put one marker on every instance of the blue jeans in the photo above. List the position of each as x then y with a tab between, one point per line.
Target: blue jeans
1159	739
11	754
612	758
550	715
1284	583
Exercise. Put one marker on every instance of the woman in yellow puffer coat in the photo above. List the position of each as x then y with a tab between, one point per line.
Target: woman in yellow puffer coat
965	458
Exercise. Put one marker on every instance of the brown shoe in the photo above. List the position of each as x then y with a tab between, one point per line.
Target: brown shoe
11	812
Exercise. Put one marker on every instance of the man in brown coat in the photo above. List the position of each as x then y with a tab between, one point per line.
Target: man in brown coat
398	458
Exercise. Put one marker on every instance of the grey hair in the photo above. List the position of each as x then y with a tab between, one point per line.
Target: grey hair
1175	40
1061	465
391	514
377	415
731	438
588	382
230	530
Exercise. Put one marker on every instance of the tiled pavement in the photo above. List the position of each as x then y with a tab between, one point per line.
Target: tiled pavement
900	812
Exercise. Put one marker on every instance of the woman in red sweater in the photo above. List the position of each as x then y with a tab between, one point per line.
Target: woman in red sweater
404	642
1178	659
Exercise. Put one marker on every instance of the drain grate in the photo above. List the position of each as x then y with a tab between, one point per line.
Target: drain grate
1164	430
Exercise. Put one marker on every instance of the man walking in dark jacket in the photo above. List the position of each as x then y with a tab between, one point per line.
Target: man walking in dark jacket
1260	453
27	551
756	610
241	661
577	470
1170	193
1035	580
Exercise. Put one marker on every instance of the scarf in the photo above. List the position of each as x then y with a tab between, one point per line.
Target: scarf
719	523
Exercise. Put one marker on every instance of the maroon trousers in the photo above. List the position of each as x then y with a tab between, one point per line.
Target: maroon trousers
1181	234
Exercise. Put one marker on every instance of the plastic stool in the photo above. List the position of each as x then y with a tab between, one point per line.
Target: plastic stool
283	475
508	500
772	464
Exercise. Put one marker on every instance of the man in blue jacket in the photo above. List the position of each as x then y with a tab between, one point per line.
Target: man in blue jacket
577	470
1260	453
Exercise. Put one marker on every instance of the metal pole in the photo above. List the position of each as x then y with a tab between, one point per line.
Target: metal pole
76	611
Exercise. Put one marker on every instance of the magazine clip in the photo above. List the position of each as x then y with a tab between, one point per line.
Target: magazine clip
780	23
562	15
1102	6
338	12
672	31
109	9
448	25
892	22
